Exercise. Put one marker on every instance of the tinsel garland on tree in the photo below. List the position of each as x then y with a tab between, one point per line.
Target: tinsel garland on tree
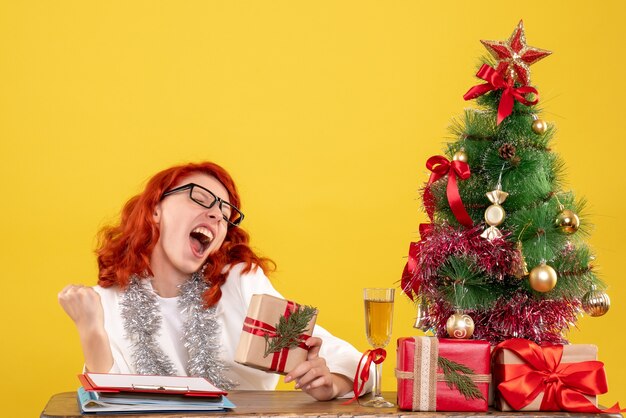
505	244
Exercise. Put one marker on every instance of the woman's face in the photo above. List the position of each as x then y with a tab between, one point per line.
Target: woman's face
188	231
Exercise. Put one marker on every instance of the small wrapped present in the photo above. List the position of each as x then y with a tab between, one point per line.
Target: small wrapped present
530	377
443	374
273	335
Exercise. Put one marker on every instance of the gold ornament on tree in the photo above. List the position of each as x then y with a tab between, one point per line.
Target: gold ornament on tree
596	302
420	319
460	326
495	214
542	278
566	221
521	270
539	126
460	155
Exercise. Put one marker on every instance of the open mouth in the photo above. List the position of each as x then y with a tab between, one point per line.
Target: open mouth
201	239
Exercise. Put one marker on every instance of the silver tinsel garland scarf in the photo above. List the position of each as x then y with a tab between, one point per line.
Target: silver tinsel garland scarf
201	331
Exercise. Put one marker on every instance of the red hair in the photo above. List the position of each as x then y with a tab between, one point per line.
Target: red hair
125	249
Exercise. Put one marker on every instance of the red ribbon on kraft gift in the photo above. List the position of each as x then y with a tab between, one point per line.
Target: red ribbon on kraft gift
495	81
563	385
262	329
375	356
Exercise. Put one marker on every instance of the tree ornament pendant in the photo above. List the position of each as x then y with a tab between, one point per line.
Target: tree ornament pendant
567	221
460	326
515	56
520	271
420	319
507	151
539	126
542	278
495	214
596	302
460	155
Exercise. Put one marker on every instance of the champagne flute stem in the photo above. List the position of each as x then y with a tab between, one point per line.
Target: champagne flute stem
378	380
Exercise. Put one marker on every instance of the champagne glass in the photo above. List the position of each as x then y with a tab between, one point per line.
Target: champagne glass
378	322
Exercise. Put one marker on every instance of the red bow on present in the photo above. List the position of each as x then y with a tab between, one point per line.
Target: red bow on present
563	385
263	329
375	356
495	81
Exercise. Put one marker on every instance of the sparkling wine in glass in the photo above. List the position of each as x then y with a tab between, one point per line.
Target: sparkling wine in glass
378	323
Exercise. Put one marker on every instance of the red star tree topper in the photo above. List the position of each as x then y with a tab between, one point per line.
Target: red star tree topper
514	56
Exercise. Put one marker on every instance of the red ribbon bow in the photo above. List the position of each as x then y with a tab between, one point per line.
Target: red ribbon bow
563	385
495	81
375	356
263	329
410	283
440	166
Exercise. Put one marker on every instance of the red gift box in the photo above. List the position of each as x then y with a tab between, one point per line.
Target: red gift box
421	383
530	377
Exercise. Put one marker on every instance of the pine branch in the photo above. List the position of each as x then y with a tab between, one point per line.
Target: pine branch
458	376
289	330
464	286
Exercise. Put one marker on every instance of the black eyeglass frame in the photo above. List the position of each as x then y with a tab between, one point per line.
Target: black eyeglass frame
190	187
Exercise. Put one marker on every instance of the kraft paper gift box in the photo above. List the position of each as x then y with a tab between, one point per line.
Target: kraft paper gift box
262	318
421	382
530	369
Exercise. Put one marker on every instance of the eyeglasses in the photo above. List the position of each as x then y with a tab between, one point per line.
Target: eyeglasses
207	199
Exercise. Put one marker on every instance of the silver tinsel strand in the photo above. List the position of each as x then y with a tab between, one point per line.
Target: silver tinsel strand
142	322
201	331
201	335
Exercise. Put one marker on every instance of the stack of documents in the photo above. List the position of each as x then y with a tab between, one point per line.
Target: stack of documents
109	393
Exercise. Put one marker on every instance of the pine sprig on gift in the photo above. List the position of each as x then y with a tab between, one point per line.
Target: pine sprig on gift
459	376
289	330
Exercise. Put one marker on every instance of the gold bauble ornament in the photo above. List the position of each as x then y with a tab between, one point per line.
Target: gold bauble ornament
460	326
567	221
460	155
542	278
596	302
539	126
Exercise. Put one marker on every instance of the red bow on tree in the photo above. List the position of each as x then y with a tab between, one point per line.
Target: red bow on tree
495	81
439	167
564	386
410	282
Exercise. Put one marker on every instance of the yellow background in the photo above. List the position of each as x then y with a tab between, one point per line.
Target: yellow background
324	112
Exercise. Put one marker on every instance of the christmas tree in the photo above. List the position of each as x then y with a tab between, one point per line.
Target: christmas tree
504	254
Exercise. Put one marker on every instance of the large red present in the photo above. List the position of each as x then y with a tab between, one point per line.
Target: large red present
424	379
530	377
268	341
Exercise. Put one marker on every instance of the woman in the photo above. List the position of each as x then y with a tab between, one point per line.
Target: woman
175	281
